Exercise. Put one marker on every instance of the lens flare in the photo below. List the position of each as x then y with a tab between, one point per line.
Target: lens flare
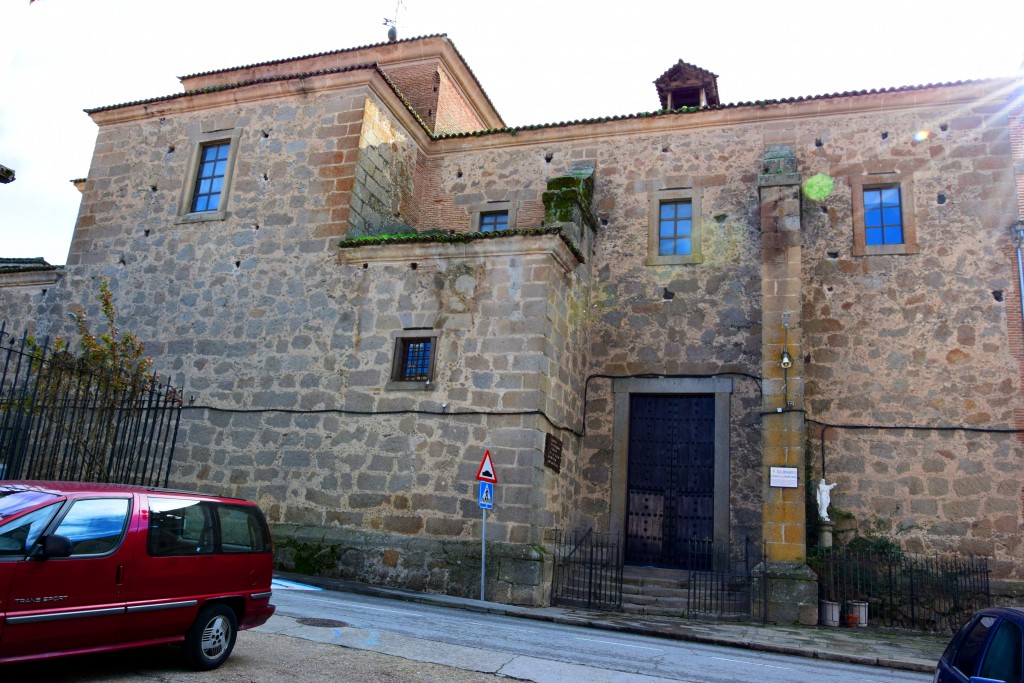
819	186
922	135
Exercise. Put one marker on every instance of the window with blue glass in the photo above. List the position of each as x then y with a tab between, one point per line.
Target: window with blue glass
493	221
209	186
415	362
675	228
883	217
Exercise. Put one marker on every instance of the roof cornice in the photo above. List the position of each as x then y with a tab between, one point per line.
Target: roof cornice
361	75
835	104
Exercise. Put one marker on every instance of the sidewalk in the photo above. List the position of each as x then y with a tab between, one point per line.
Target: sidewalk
872	647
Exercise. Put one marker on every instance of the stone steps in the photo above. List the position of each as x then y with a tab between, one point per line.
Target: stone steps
667	592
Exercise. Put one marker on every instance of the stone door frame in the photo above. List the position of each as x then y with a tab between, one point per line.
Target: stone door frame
621	390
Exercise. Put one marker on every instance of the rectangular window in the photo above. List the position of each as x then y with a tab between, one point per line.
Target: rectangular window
213	166
415	360
493	221
673	232
883	221
883	214
675	228
206	187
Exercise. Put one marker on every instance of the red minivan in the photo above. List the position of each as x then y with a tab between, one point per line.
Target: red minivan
95	567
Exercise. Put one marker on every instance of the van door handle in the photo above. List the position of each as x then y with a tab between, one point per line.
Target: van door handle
120	575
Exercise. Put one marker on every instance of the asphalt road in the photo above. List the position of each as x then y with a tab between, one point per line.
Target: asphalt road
257	658
321	636
540	651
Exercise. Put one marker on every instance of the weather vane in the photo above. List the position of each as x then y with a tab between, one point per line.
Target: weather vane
393	23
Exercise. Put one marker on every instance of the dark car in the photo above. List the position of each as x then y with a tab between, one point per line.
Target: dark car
988	649
95	567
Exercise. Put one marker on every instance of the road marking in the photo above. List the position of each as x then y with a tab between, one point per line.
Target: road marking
747	661
612	642
380	609
285	584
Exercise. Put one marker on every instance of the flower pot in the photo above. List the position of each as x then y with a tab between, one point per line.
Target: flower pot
828	613
859	608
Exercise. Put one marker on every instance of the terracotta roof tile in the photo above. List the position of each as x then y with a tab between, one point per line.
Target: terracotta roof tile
24	265
697	110
354	49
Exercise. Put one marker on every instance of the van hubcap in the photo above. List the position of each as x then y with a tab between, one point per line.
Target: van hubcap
215	636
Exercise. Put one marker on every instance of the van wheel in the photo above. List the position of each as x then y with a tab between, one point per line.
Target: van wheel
211	638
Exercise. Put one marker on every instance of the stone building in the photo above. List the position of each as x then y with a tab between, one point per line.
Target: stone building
366	279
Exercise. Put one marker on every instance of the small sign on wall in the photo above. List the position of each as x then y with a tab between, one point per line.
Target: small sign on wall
783	478
553	452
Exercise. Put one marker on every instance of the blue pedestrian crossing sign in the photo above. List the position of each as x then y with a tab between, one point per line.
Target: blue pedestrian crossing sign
486	495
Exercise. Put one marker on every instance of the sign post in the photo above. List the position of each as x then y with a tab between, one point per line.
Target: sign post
485	475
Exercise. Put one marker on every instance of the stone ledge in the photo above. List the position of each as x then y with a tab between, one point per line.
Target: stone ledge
516	573
419	249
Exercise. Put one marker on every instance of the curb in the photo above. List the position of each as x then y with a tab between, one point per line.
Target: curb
471	605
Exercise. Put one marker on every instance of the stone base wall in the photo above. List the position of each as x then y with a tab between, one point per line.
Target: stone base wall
516	574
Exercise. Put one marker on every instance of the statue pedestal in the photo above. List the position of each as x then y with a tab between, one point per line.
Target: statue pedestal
825	533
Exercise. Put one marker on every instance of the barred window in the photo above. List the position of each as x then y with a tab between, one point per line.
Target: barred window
415	359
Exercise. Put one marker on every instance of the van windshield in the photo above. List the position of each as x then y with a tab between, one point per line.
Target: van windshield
13	501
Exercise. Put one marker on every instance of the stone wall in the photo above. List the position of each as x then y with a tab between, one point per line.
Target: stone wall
384	172
919	339
287	349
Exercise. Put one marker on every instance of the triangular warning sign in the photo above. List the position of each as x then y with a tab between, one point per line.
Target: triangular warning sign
486	471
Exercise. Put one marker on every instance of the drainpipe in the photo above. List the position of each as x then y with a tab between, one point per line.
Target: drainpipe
1018	234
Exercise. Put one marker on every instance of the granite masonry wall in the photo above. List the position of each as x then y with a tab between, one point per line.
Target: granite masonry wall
287	346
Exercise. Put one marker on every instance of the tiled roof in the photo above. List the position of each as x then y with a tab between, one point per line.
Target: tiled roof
24	265
242	84
697	110
681	64
353	49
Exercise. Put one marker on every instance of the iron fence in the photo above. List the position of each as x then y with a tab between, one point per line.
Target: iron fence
721	584
60	419
901	590
587	570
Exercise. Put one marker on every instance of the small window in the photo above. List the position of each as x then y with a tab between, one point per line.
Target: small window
414	364
415	359
492	221
206	188
883	217
213	164
883	222
675	228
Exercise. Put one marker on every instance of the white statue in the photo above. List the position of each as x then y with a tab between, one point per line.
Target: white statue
824	498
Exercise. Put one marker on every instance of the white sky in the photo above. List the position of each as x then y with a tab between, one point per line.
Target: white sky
540	61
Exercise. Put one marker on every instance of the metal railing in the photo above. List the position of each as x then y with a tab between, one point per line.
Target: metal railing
720	583
587	570
901	590
60	419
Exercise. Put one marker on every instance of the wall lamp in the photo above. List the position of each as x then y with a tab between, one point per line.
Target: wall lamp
786	361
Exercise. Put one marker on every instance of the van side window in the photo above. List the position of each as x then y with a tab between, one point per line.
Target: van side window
178	526
95	525
242	530
17	536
